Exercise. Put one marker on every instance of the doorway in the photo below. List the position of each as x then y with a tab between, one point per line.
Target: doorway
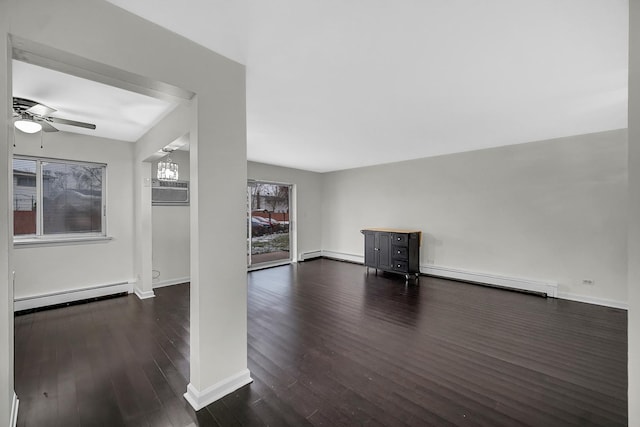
268	223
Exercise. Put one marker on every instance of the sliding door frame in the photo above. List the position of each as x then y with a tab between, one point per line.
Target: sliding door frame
292	226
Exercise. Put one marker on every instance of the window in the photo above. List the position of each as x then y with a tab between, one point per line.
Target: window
58	198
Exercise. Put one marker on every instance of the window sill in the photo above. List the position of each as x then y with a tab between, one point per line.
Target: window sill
59	241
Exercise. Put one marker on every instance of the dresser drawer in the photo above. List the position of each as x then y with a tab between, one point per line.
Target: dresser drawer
400	252
401	266
400	239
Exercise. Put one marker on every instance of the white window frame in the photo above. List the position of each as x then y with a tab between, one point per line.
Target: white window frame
39	237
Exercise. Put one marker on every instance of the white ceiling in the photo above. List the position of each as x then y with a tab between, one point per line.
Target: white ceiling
117	113
340	84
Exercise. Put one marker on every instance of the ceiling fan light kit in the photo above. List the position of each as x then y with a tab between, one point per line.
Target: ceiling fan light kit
27	126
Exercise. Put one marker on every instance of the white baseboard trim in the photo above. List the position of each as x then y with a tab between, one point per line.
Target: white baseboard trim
171	282
70	295
199	400
531	285
342	256
13	421
309	255
547	287
594	300
143	294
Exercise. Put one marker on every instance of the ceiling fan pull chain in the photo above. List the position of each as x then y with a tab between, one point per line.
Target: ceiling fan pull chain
41	139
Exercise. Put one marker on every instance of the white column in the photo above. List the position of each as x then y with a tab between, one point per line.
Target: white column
634	214
143	286
8	405
218	252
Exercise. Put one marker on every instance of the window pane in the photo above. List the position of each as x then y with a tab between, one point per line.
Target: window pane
269	222
71	198
24	197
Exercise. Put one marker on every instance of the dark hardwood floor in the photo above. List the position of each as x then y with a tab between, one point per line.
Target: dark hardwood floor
329	345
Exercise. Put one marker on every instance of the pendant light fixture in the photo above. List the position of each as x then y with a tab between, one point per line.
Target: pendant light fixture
167	169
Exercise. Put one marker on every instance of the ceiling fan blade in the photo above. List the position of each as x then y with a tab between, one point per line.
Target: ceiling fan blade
45	125
40	110
23	103
71	122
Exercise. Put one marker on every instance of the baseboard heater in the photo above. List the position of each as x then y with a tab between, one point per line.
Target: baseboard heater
536	287
23	305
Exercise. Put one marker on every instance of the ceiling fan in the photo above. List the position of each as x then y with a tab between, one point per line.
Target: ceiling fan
32	117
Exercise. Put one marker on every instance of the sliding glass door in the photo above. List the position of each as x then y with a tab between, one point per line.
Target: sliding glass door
268	224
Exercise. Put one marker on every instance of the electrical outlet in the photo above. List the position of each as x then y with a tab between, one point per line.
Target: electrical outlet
589	282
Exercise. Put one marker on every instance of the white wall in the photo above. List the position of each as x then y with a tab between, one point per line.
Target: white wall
148	148
308	199
107	41
46	269
170	230
634	214
552	210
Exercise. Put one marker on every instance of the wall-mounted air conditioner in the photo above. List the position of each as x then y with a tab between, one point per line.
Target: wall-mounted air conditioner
169	193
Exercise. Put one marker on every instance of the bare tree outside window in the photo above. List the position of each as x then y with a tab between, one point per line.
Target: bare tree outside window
257	195
279	200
